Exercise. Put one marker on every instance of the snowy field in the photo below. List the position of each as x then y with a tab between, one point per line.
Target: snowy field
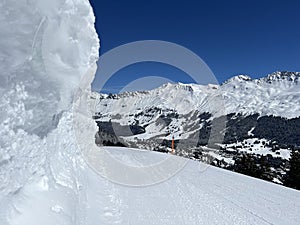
257	146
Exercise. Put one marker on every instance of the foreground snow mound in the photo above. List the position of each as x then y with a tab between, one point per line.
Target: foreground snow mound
46	49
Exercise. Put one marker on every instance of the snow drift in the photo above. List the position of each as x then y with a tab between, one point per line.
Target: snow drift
47	48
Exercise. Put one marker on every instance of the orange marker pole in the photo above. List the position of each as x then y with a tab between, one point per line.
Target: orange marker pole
173	144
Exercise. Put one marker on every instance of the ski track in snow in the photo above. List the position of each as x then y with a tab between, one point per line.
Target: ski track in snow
214	196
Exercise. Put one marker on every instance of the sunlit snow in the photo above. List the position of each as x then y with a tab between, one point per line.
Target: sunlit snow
47	49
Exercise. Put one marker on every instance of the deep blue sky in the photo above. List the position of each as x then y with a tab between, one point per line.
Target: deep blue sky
232	37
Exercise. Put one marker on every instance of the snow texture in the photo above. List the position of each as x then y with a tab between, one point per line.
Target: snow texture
47	47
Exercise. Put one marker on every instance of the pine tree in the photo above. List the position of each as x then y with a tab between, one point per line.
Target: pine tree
253	166
265	169
293	175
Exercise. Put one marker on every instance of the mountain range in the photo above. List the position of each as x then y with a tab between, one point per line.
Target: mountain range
257	119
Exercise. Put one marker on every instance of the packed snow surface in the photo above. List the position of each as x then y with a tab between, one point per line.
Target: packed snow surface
195	195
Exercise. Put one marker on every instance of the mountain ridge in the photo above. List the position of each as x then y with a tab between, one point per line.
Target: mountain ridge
277	75
276	94
214	123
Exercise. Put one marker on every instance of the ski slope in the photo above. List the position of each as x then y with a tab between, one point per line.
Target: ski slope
194	196
197	194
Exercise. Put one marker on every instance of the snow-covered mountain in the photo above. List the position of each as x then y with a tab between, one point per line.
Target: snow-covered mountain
261	112
277	94
175	109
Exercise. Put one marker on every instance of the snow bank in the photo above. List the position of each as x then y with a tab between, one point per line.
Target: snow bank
47	47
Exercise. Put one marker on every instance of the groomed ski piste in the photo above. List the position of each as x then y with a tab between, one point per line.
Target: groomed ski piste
192	196
51	171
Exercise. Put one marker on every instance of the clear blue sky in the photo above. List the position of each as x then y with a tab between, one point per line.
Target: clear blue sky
232	37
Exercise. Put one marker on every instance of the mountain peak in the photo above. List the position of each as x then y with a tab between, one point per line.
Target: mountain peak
275	76
178	86
282	75
238	78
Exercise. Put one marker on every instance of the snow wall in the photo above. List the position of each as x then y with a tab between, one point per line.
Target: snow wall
46	48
